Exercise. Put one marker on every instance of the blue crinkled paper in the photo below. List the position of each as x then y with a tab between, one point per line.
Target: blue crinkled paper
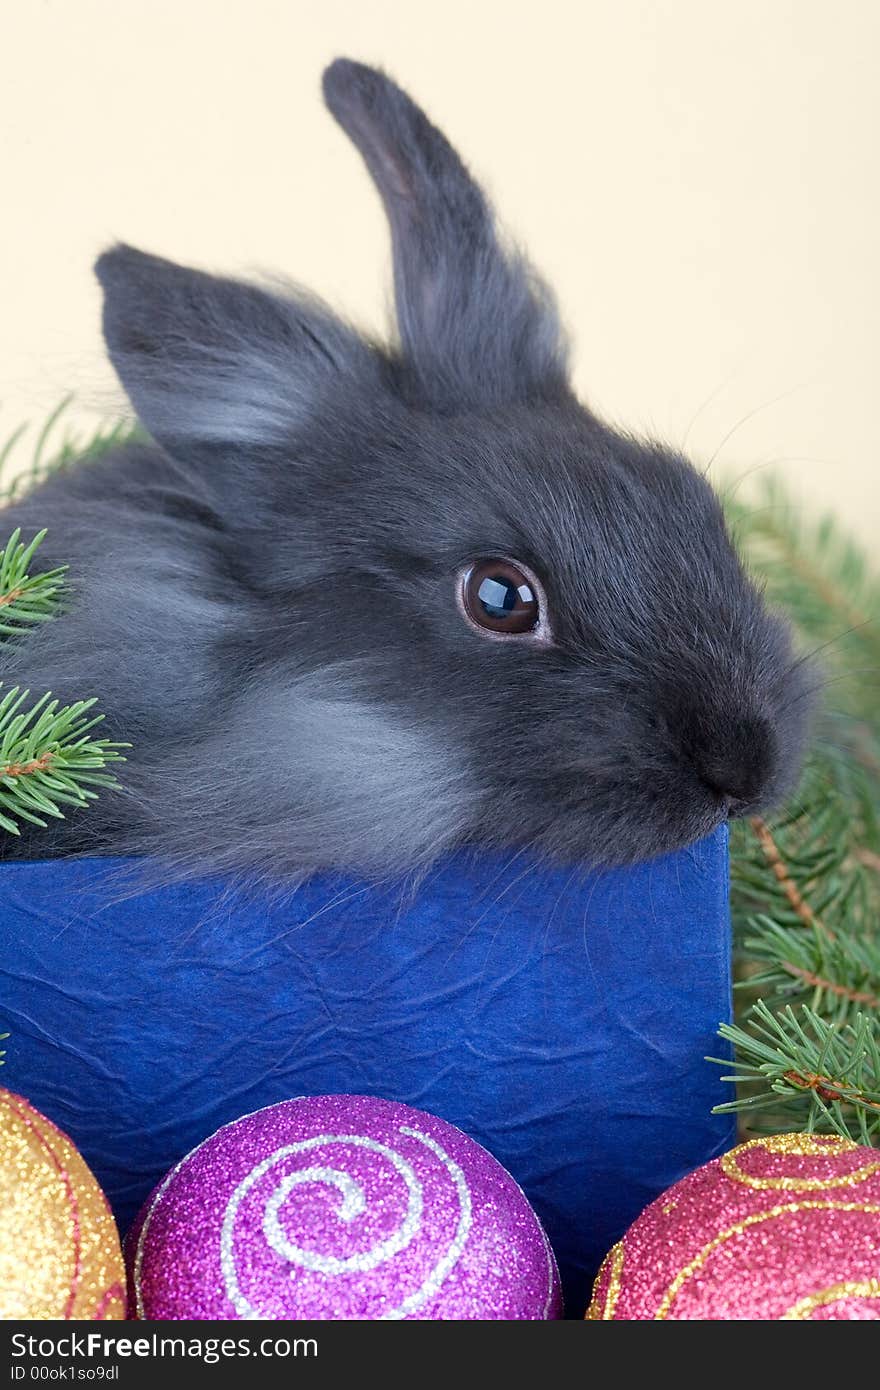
560	1019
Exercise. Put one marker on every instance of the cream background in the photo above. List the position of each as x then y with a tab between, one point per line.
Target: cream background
698	180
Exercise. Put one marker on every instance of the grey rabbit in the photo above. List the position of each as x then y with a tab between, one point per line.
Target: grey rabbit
360	604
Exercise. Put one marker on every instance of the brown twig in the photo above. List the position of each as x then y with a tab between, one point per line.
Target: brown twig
22	769
10	597
783	876
855	996
828	1088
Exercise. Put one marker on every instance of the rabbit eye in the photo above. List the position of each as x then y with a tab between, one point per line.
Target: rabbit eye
500	597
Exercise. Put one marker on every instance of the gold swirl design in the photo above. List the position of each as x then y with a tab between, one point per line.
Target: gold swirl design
797	1146
806	1307
869	1208
613	1262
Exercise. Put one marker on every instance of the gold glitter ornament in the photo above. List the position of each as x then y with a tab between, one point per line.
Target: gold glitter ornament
59	1248
780	1228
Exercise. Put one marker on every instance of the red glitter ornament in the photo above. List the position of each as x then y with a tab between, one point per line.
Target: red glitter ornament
784	1227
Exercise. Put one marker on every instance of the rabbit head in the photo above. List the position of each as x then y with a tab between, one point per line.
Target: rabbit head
517	625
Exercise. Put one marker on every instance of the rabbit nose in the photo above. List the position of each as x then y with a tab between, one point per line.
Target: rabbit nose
737	764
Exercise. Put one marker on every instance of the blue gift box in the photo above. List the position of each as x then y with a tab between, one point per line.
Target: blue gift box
559	1018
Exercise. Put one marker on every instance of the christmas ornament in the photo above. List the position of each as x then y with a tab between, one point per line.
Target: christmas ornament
785	1227
59	1247
340	1207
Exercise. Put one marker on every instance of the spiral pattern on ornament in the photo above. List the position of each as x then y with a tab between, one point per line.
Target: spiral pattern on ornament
351	1204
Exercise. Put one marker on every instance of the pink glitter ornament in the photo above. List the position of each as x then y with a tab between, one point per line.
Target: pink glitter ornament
786	1227
340	1207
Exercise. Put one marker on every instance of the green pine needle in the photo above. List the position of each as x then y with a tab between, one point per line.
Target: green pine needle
48	758
24	598
824	1076
805	884
56	448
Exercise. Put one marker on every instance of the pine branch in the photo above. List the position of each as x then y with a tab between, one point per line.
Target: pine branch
825	1076
822	579
48	758
836	975
26	598
811	864
805	884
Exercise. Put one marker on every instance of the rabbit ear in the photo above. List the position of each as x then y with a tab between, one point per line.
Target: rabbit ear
477	326
207	359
